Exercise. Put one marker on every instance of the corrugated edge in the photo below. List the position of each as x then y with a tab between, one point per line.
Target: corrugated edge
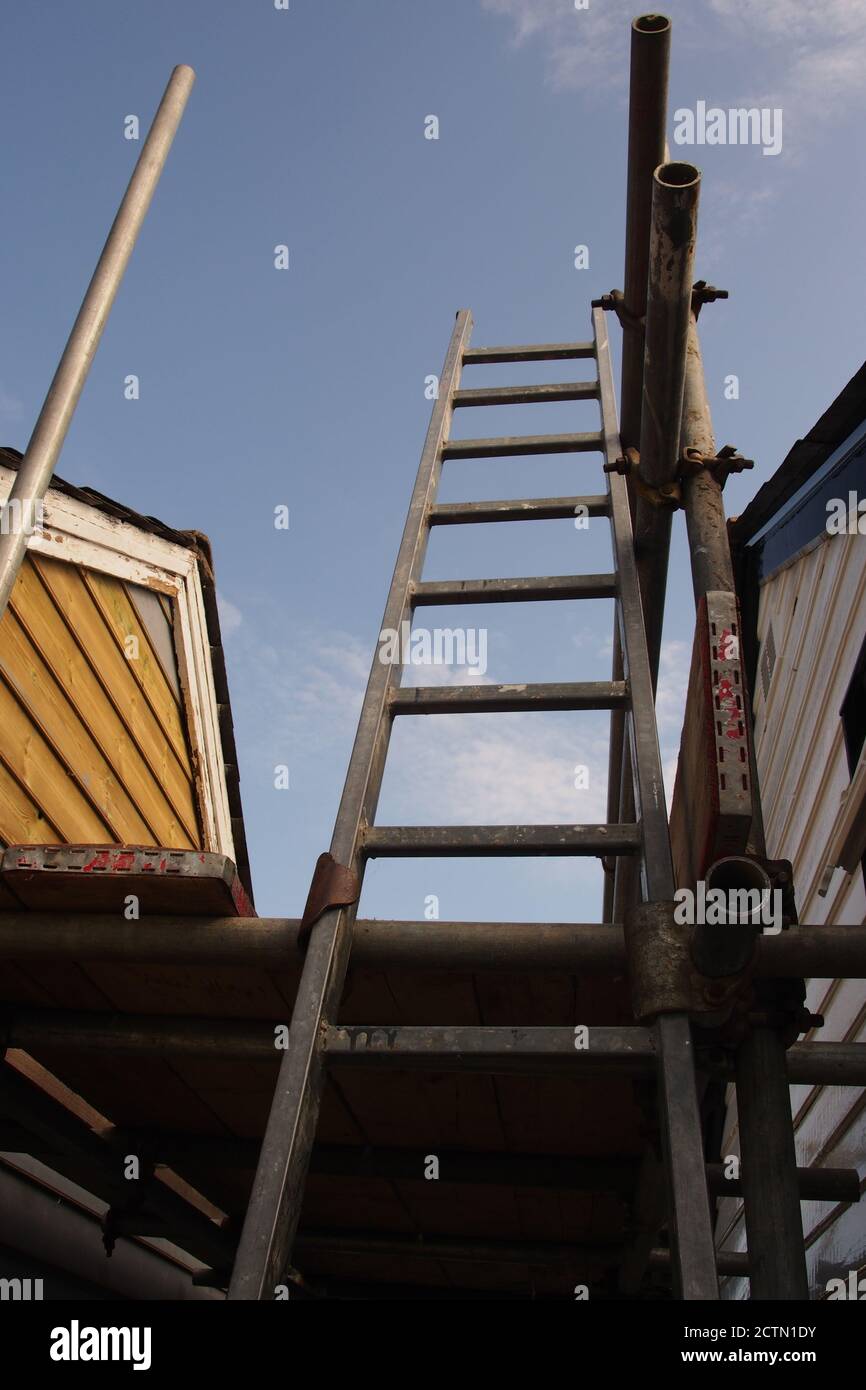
804	458
199	543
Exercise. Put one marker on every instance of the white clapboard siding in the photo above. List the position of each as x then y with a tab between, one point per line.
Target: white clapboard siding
816	606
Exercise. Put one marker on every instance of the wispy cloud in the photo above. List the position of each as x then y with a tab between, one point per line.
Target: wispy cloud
581	46
297	695
485	769
455	769
810	57
11	408
813	55
498	770
670	706
230	616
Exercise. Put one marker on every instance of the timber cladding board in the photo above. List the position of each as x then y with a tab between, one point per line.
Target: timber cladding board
95	749
110	662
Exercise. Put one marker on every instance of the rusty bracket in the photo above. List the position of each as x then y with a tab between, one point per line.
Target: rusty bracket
615	303
721	465
659	967
664	978
737	1002
781	1003
333	885
628	465
702	294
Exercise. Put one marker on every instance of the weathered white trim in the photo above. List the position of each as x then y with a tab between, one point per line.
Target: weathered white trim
196	679
83	535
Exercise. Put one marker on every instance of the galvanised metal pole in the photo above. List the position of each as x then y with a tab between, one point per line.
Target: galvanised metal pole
648	102
273	943
682	1143
709	549
771	1194
676	188
647	118
37	466
771	1191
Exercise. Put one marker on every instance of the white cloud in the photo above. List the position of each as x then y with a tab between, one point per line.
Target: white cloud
814	26
814	54
497	770
581	46
670	706
230	615
318	684
11	409
673	681
297	696
304	697
811	57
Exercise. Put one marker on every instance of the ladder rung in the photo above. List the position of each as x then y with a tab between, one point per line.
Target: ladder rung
514	590
628	1050
532	352
529	395
520	509
489	699
515	446
467	841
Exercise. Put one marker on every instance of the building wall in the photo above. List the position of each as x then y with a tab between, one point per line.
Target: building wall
816	607
95	748
108	702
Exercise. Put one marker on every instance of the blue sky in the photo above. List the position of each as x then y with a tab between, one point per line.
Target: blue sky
306	387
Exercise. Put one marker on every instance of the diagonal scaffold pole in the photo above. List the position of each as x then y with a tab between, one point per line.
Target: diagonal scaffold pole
37	466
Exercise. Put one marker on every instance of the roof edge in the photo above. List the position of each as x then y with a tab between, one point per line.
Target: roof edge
804	459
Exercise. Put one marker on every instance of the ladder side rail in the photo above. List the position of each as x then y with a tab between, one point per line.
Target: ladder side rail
682	1138
657	877
274	1208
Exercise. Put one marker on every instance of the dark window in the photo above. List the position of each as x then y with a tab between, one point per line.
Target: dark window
768	660
853	712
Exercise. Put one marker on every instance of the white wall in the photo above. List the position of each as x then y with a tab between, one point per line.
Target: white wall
816	604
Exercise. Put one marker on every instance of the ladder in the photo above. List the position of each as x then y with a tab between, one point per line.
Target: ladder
271	1221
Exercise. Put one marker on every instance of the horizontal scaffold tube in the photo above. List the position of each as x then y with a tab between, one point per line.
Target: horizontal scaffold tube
627	1051
272	942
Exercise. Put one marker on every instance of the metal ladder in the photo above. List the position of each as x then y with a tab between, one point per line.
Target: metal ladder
272	1217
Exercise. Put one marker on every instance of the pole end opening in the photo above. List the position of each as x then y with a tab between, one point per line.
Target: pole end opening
651	24
677	175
